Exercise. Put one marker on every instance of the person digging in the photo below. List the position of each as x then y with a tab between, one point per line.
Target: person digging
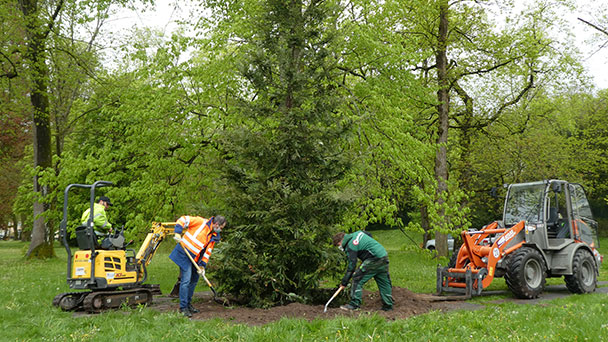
196	236
374	264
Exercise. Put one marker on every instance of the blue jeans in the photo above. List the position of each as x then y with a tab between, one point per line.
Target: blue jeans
187	285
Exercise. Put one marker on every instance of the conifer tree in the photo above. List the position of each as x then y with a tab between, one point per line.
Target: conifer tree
283	163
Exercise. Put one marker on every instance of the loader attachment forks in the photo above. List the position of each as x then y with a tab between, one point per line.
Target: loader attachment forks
475	265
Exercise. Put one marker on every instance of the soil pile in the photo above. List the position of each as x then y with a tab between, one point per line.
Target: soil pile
406	304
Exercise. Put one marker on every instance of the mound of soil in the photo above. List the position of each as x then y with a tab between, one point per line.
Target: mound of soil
406	304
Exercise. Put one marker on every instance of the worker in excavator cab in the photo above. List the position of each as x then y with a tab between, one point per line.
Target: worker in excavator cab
100	219
196	236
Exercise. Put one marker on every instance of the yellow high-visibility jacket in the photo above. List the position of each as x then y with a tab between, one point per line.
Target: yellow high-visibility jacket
100	219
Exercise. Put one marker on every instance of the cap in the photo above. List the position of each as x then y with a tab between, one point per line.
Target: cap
105	199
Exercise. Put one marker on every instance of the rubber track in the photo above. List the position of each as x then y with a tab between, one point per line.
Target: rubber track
59	297
115	299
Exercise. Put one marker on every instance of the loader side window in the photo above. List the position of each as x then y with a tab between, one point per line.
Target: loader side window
580	205
581	211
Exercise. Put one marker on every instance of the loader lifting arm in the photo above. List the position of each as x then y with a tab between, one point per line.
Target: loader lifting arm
476	262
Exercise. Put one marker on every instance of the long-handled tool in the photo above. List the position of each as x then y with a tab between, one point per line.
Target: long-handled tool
201	271
332	297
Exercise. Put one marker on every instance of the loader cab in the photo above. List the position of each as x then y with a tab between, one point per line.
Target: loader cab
557	212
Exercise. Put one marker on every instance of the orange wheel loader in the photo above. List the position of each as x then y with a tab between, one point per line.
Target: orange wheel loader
547	230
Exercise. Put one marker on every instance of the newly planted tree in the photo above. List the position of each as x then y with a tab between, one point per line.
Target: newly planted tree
282	151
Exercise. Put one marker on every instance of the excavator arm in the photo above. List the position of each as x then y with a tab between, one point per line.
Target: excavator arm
155	237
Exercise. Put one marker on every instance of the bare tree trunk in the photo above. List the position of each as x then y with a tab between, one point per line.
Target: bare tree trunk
441	162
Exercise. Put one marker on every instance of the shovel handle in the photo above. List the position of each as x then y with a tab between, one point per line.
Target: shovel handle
200	271
332	297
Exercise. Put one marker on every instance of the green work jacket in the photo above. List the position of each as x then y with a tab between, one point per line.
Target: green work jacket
359	245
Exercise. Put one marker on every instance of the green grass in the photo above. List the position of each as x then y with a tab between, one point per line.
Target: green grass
28	287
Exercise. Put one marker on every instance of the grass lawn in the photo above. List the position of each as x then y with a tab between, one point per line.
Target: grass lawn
28	287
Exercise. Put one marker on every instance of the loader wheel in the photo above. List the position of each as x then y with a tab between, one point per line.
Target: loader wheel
584	275
526	272
454	259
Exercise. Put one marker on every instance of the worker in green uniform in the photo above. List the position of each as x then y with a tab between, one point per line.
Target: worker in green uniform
374	264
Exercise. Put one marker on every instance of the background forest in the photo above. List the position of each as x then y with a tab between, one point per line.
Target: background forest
294	119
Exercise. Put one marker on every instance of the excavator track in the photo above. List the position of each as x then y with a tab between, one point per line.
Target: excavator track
154	288
69	301
98	301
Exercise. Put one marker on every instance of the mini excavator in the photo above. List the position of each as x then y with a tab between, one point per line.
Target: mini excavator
111	274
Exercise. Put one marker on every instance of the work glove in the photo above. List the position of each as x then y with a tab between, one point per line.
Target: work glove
177	238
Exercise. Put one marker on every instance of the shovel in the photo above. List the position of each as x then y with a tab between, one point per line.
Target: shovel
201	271
332	297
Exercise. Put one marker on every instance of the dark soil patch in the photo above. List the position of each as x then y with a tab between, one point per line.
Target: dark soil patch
407	304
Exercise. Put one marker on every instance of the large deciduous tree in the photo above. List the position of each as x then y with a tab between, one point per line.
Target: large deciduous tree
38	26
483	69
48	26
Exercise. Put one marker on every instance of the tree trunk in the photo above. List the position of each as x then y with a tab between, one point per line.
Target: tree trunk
441	162
424	223
36	33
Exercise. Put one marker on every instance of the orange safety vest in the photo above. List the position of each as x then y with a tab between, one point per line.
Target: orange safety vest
197	236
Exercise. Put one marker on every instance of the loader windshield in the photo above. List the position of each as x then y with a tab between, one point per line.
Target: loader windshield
524	202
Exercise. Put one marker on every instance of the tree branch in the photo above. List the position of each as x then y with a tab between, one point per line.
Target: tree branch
53	18
12	73
594	26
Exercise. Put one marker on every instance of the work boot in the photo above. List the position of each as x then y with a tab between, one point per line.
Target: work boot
349	307
387	308
185	312
192	309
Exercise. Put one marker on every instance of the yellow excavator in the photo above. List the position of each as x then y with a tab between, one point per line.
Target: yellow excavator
111	274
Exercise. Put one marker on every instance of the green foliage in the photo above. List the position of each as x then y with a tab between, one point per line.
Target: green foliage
143	134
391	158
282	154
590	142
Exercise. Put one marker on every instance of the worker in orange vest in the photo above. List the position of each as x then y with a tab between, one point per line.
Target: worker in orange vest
197	236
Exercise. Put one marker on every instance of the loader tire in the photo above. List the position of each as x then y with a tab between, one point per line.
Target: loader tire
584	273
454	259
526	273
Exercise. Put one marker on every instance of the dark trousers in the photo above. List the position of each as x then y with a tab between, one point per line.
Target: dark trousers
376	268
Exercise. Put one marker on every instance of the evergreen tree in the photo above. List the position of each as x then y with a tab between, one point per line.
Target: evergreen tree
283	157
